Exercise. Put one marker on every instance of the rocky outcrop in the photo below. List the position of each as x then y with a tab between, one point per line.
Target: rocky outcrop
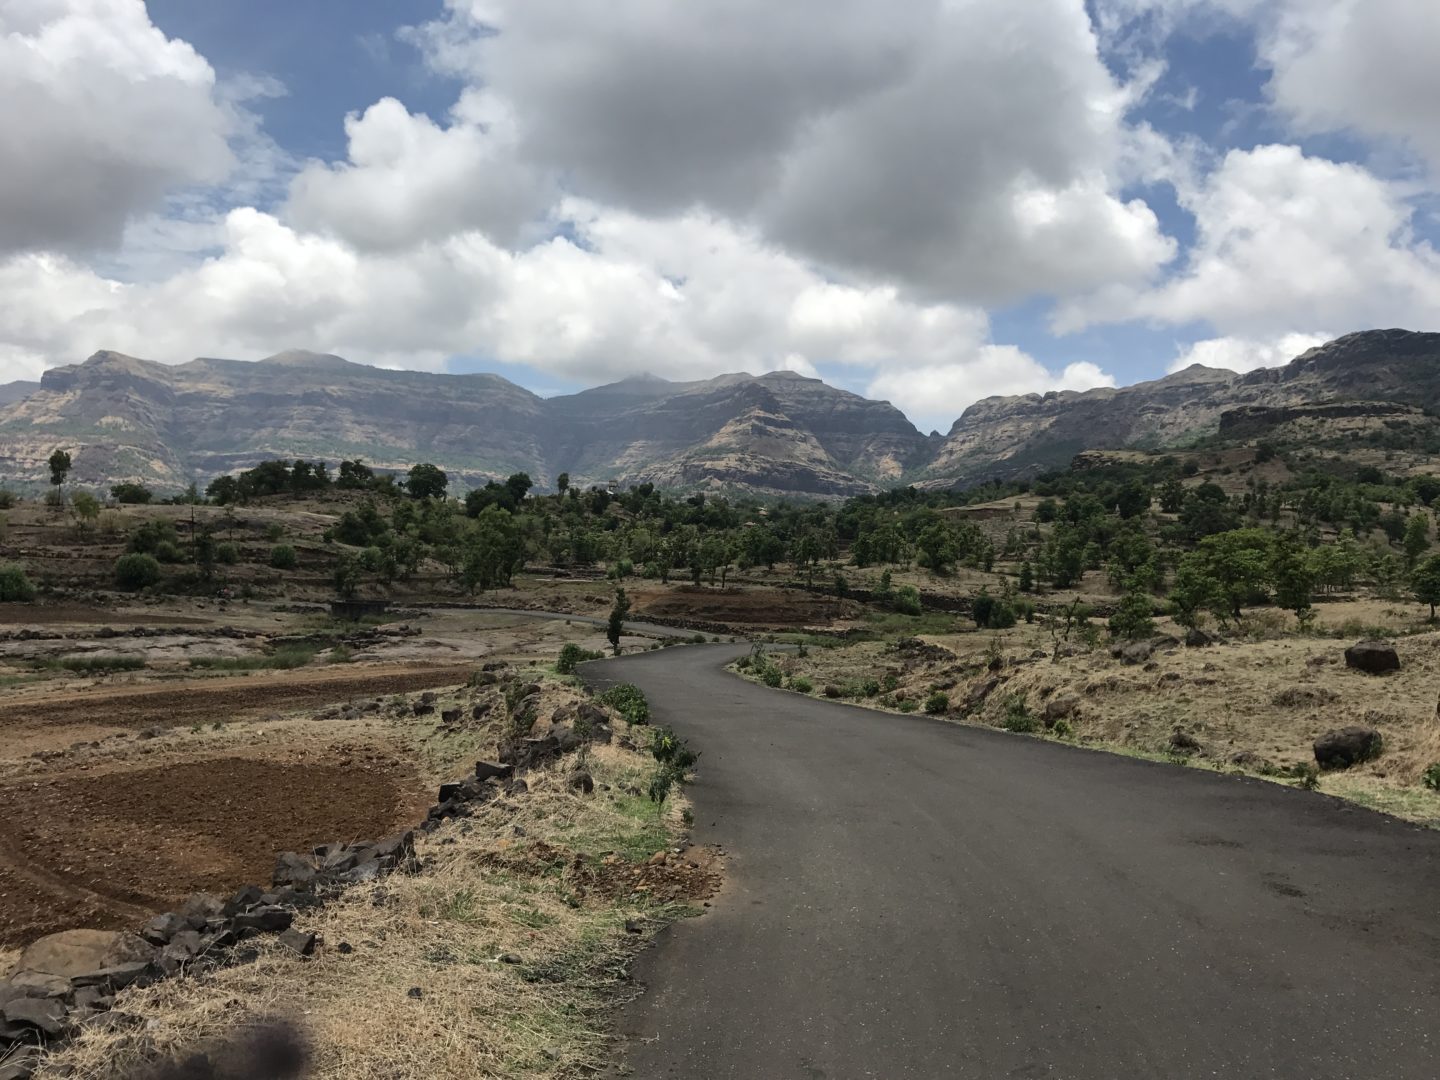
1347	746
1372	657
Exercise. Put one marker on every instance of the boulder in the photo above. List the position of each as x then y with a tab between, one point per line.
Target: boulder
484	770
582	782
159	930
20	1063
1183	743
72	953
1372	657
1347	746
450	716
1198	639
298	941
269	920
1059	707
45	1015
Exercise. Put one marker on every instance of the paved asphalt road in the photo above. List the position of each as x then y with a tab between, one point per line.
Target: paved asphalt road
908	898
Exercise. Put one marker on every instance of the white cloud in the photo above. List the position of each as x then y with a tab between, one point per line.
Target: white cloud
962	151
1246	354
935	394
103	116
1286	241
409	181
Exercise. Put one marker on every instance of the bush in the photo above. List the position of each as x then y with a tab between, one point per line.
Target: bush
937	703
282	557
167	552
907	705
629	701
1132	619
1062	729
801	685
146	538
991	612
227	554
697	639
1431	777
771	676
14	585
136	571
907	600
571	655
274	531
870	687
131	493
1018	717
7	498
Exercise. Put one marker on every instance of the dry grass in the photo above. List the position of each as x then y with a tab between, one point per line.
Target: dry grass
443	931
1269	697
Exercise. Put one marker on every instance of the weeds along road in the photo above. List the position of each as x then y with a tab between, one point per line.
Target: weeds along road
909	898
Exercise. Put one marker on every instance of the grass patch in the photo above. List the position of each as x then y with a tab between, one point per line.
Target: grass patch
93	665
282	659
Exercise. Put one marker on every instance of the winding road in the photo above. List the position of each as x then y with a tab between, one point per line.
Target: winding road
908	898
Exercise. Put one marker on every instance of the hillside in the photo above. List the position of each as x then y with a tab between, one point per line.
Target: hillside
780	433
1010	436
167	425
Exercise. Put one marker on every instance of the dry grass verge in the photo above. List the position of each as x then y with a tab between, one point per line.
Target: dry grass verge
498	959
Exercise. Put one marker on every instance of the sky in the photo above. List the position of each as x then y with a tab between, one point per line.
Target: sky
926	201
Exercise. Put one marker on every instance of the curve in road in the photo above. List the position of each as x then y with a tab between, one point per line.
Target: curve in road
914	899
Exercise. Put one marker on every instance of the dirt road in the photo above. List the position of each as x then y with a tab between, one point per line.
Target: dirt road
913	899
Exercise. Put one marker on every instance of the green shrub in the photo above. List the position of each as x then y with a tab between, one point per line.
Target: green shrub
772	676
571	655
1062	729
908	705
168	552
629	701
891	682
274	531
937	703
1431	777
136	571
697	639
870	687
227	554
146	538
1132	619
14	585
7	499
1018	716
907	600
282	557
801	685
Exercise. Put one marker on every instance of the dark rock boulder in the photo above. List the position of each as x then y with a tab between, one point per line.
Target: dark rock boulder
1372	657
1198	639
1347	746
1182	742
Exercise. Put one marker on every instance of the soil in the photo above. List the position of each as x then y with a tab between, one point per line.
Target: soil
103	710
12	614
750	607
107	850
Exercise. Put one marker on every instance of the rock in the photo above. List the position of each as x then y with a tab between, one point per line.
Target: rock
293	870
34	984
1183	742
429	697
509	958
345	948
1197	638
93	998
267	920
80	952
1347	746
20	1063
415	992
565	739
159	930
1249	759
1059	707
1293	696
45	1015
1372	657
450	716
479	712
243	900
582	782
420	708
298	941
485	770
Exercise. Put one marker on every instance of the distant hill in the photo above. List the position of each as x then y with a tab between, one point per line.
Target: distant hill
780	433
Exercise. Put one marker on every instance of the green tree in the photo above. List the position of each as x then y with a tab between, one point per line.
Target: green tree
1293	572
1193	590
615	627
283	557
1417	537
562	483
59	467
1132	620
1239	562
426	481
136	571
1425	582
128	492
936	548
15	587
1172	496
491	550
355	475
86	509
1027	577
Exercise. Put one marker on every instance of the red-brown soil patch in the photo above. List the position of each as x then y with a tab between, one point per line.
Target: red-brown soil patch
204	701
104	850
745	607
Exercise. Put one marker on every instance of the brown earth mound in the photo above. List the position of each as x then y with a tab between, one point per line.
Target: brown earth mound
746	607
107	850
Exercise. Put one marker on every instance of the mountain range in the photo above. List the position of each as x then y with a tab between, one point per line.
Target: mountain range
781	433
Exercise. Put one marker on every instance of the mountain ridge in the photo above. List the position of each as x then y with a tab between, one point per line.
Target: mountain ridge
780	433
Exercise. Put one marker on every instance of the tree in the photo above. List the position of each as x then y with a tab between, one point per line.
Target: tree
1417	537
132	493
15	587
136	571
937	548
1027	577
355	475
562	483
491	550
1239	563
1425	581
1193	589
86	509
1172	496
59	467
616	624
1293	572
1132	619
426	481
283	557
518	485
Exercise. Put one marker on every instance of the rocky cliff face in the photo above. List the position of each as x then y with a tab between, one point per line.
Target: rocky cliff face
1014	436
779	433
168	425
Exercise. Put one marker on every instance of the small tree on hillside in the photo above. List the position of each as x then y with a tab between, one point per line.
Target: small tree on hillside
1425	581
616	626
1417	538
426	481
